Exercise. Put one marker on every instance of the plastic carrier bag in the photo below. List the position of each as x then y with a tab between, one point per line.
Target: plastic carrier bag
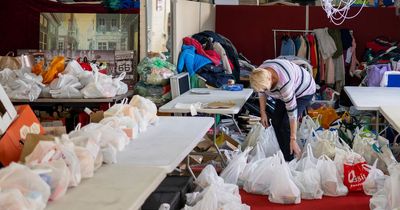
235	167
283	190
27	182
331	181
155	71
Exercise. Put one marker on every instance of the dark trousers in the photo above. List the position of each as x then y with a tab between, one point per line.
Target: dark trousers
280	121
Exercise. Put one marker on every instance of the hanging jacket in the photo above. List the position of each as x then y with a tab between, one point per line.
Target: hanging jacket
302	53
326	43
288	47
225	61
192	61
200	50
313	54
230	49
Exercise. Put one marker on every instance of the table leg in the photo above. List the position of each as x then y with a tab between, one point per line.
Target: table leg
237	126
189	168
215	140
377	123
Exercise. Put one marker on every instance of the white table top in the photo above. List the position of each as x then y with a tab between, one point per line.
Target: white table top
112	187
167	143
392	115
238	97
372	98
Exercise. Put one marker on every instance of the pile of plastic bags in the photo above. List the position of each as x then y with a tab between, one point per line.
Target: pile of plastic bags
57	82
154	79
214	194
54	166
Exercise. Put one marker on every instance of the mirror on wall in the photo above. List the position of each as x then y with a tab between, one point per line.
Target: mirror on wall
158	21
89	31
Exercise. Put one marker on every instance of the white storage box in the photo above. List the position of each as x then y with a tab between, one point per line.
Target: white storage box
7	111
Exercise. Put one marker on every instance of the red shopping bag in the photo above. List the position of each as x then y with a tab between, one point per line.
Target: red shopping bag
354	176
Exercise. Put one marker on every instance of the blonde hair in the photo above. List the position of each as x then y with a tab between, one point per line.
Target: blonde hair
261	80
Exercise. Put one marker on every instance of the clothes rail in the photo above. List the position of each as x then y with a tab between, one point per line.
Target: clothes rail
287	30
292	30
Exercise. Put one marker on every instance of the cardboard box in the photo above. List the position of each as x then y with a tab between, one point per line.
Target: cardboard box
96	117
14	137
30	143
55	130
7	111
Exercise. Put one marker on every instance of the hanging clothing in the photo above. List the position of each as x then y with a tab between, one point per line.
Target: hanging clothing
225	61
337	38
317	76
288	47
347	39
313	54
329	71
191	60
326	43
302	53
297	44
200	50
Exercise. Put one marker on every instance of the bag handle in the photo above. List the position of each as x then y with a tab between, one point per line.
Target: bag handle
121	76
10	53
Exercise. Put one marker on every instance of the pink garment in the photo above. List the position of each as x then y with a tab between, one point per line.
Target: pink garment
199	50
330	71
322	76
354	61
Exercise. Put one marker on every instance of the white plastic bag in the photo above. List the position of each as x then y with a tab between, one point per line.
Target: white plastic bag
252	137
331	181
207	177
59	177
121	87
146	108
258	176
283	190
20	177
73	68
362	145
374	181
86	161
47	151
323	143
101	87
13	199
267	143
307	178
109	135
235	167
127	124
392	186
63	81
306	128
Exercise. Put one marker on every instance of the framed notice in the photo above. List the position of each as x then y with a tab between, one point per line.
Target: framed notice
125	61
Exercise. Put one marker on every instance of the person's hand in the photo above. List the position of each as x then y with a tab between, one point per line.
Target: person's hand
294	148
264	120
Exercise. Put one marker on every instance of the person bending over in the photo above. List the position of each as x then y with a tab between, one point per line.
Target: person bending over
293	88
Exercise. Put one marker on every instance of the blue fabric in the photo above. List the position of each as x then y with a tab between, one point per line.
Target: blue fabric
297	43
288	47
192	61
215	75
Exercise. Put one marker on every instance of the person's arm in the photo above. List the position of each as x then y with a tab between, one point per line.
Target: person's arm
262	101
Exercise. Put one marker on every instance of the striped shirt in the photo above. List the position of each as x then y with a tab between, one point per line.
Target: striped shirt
294	82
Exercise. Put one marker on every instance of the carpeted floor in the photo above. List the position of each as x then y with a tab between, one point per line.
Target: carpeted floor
354	201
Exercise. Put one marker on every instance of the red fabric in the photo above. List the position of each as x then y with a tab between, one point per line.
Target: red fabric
375	47
354	176
200	50
313	54
354	201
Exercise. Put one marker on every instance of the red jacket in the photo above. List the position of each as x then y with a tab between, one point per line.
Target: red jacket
210	54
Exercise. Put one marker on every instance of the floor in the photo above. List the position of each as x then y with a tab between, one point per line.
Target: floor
354	201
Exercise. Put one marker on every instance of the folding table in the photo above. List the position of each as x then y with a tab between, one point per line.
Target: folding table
140	167
372	98
193	96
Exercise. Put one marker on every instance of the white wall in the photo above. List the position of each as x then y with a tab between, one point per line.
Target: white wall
188	18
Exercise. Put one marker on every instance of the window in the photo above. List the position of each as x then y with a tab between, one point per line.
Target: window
102	22
61	45
112	45
43	40
102	46
114	23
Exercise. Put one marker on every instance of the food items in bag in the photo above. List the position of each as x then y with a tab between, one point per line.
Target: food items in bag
155	71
